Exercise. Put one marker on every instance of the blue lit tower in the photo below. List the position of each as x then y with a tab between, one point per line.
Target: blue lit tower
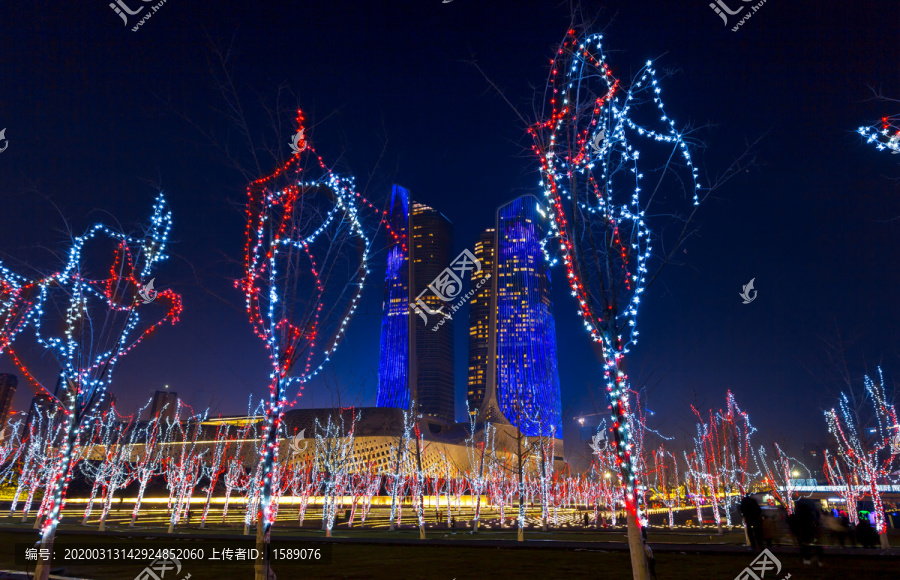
416	361
393	368
524	384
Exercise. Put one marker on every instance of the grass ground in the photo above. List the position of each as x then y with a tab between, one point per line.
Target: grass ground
361	561
361	553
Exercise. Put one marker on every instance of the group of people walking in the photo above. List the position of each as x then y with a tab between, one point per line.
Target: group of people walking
810	526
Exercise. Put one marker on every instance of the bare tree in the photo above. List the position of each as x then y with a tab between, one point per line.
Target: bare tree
304	268
17	298
885	134
87	317
623	192
868	442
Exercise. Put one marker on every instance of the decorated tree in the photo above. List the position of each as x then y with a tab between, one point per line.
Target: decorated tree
605	191
88	317
11	449
149	462
115	439
705	465
17	298
733	430
781	473
304	268
183	463
664	480
846	482
693	484
481	456
400	465
37	456
335	440
216	466
867	436
885	136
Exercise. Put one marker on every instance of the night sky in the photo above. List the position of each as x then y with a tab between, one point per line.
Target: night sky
99	118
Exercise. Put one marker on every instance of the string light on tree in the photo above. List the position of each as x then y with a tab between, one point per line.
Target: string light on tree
594	156
884	135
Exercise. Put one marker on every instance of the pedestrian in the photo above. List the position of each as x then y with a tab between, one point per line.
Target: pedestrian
804	525
836	529
651	560
769	530
586	520
752	520
865	533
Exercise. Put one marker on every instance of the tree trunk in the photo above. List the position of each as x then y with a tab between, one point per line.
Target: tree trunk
42	570
639	567
259	567
269	457
57	493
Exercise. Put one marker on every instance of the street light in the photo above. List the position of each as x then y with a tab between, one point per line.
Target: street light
795	473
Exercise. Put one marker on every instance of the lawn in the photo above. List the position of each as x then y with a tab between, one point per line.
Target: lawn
368	561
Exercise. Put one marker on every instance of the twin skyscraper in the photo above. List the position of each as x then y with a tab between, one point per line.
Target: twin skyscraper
512	372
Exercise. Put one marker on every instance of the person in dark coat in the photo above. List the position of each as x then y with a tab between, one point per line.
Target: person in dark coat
804	525
865	533
753	520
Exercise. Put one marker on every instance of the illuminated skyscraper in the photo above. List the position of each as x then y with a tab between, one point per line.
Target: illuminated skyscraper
416	361
393	367
523	385
8	384
480	321
164	405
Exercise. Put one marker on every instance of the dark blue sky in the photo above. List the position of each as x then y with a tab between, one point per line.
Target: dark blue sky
95	117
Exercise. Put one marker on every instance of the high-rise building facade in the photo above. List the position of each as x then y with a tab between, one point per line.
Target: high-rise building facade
480	321
393	367
164	405
416	360
8	384
43	405
523	381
